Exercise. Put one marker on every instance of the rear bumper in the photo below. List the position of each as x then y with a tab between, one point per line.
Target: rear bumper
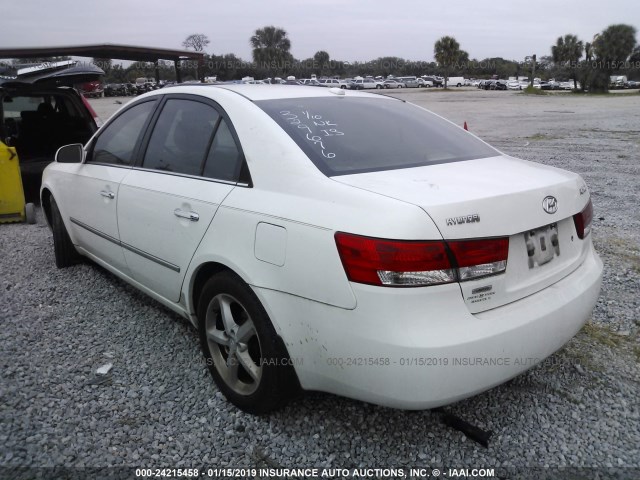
421	348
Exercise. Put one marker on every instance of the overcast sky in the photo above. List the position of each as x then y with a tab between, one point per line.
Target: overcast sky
349	30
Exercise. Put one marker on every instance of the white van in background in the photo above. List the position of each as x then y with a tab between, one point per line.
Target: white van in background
457	82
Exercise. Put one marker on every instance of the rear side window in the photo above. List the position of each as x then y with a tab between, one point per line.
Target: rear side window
117	142
53	107
181	137
224	158
347	135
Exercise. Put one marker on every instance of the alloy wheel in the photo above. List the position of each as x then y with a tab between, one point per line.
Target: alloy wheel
234	344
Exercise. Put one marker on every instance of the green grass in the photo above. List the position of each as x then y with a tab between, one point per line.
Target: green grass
533	91
448	89
603	335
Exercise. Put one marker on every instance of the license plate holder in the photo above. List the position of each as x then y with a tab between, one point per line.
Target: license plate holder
543	245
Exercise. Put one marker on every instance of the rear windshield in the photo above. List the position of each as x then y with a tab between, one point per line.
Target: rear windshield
347	135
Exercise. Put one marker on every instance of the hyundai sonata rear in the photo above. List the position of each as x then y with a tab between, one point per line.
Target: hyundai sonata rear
337	241
494	271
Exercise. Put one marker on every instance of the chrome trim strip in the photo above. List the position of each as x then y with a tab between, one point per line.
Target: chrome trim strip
95	231
105	164
131	248
153	258
185	175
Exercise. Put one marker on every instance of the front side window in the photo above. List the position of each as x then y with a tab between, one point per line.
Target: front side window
117	143
181	137
346	135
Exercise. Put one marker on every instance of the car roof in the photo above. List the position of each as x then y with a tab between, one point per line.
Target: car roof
267	92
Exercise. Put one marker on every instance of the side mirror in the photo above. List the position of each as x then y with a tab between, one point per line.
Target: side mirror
70	154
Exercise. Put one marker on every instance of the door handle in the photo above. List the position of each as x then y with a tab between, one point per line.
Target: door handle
106	194
193	216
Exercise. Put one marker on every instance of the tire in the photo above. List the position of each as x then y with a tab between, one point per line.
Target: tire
378	87
246	358
64	251
30	213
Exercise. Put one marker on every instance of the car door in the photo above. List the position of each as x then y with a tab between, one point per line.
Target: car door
192	161
90	196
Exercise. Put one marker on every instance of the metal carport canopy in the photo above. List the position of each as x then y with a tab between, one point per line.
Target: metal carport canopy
111	51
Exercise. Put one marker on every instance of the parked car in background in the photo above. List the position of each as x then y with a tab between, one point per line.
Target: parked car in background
365	83
392	83
498	85
424	83
550	85
436	81
334	82
312	82
514	85
119	90
486	84
110	90
409	82
618	81
291	255
41	112
456	81
92	89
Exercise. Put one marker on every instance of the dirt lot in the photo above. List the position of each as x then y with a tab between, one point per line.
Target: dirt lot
159	408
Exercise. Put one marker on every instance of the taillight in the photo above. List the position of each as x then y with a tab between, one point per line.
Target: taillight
479	258
406	263
583	220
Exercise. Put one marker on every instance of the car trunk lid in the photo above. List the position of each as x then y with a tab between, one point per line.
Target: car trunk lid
496	197
54	74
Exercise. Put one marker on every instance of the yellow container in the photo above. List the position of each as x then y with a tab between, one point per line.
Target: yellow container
12	206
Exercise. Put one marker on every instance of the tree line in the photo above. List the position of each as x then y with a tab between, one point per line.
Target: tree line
612	51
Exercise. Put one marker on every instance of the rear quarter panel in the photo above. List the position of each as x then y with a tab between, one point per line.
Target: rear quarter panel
290	192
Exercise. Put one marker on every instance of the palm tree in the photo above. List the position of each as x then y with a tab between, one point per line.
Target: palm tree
271	48
321	59
568	50
611	48
614	45
447	52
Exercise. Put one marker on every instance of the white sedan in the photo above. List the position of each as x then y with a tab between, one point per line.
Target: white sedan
327	240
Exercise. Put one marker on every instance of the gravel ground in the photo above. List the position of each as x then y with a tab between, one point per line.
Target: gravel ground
158	407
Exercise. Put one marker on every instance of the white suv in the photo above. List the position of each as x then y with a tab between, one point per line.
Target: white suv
362	83
334	82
